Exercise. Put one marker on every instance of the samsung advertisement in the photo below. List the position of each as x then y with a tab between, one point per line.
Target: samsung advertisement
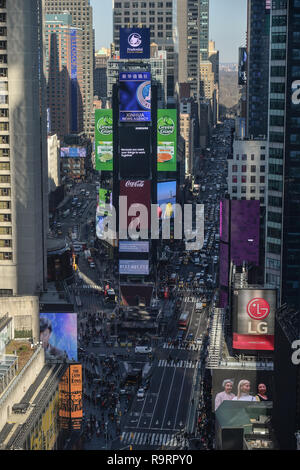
134	43
135	96
135	152
253	319
135	267
58	335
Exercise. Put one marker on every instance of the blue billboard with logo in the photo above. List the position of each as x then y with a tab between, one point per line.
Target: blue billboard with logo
135	96
134	43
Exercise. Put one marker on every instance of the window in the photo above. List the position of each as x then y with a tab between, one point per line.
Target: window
234	168
252	156
253	168
244	157
262	157
244	168
261	179
4	204
5	243
276	120
243	189
244	179
262	190
234	189
252	189
275	217
5	256
262	168
5	217
252	179
4	178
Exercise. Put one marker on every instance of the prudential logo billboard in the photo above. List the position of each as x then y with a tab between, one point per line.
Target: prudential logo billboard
134	43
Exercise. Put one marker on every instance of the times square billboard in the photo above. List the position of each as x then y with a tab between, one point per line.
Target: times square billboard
58	335
104	139
245	221
242	68
254	319
135	96
137	192
135	151
135	43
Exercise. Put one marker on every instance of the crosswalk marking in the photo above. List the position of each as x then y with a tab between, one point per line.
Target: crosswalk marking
148	438
180	363
189	347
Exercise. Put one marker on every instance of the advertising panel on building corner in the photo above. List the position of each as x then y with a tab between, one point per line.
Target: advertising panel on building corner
135	96
166	139
134	43
104	139
254	319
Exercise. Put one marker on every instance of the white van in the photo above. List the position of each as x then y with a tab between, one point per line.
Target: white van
143	349
199	306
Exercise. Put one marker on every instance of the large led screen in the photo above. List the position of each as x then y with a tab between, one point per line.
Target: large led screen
70	398
73	152
135	151
253	319
242	68
136	267
104	139
240	391
245	220
133	247
134	43
166	198
104	199
135	96
58	334
137	192
166	139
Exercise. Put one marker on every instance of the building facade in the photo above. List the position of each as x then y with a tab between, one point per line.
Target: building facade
63	60
283	215
82	17
161	18
23	151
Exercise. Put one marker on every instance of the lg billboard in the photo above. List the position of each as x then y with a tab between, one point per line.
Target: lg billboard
253	319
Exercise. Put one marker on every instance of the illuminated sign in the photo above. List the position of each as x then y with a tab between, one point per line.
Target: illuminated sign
166	139
104	139
134	43
135	96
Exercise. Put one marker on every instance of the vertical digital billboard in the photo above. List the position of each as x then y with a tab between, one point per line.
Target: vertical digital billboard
135	151
70	398
137	192
135	96
166	198
104	199
224	264
242	68
245	221
135	43
166	139
58	334
104	139
74	80
254	319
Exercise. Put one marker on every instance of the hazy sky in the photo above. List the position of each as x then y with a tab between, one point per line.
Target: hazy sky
227	25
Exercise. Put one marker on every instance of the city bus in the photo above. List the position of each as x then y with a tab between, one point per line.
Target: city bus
183	321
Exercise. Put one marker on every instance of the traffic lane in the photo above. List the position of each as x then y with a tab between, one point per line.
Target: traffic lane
184	402
162	398
180	386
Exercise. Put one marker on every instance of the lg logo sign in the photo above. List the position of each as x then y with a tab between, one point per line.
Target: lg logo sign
296	92
258	309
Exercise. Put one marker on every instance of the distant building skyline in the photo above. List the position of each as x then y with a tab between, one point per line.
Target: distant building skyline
232	13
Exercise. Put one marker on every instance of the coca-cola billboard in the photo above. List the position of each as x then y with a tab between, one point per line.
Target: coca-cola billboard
137	192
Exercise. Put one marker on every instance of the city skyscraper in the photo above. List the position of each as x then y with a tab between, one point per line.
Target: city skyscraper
283	216
63	60
82	17
23	152
161	18
258	32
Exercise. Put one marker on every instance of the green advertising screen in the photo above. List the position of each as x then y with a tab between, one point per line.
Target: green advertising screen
166	139
105	197
104	139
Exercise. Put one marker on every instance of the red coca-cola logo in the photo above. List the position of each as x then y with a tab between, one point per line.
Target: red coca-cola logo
134	184
258	308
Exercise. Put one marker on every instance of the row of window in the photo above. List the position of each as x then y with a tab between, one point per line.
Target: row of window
243	198
244	179
4	256
143	4
244	189
243	168
244	156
